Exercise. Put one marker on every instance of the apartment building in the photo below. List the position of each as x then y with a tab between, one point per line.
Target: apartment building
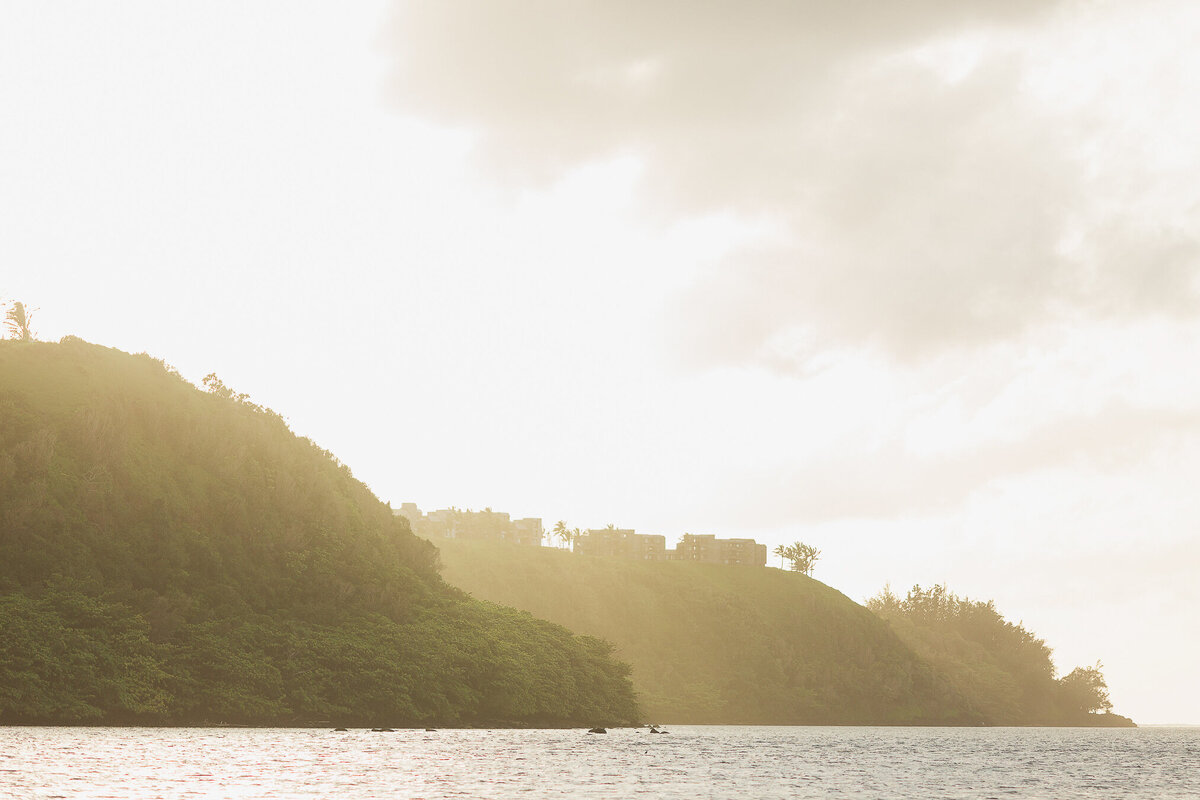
622	543
707	548
454	523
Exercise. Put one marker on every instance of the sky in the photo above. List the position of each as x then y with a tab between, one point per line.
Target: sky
916	283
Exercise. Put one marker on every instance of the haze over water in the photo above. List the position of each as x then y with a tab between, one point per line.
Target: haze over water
690	762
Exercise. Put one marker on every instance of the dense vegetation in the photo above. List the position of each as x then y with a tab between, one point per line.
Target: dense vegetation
1003	672
716	644
169	555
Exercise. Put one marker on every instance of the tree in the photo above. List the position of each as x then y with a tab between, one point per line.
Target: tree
568	536
801	557
560	530
1084	689
218	388
19	320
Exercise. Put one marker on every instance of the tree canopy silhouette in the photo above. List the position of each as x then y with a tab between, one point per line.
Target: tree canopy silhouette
800	557
18	319
1003	671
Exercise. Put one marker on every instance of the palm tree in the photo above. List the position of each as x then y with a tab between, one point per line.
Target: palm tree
560	530
18	320
801	556
808	558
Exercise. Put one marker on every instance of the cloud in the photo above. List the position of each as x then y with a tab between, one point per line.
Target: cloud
891	481
940	216
712	97
932	218
937	176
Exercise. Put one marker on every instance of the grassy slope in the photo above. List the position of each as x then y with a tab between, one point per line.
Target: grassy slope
715	644
167	555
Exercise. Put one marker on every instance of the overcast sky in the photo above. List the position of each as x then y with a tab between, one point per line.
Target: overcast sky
916	283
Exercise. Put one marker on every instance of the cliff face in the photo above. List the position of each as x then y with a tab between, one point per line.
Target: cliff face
171	555
717	644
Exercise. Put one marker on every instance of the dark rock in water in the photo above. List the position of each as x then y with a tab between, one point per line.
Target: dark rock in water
384	730
597	730
340	729
431	730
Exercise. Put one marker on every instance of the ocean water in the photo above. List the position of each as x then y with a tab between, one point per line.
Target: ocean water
689	762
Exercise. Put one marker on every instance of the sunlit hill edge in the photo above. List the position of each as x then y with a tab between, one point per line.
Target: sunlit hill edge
176	556
172	555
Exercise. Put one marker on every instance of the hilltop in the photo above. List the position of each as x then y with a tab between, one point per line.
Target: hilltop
176	556
710	643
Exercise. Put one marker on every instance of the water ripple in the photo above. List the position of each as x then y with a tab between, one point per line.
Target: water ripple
690	763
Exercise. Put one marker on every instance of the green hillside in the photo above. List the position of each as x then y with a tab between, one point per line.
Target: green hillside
1001	670
170	555
717	644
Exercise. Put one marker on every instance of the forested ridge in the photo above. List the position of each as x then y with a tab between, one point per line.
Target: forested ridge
710	643
172	555
1001	670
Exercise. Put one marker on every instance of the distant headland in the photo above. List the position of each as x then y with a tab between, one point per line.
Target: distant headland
176	555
